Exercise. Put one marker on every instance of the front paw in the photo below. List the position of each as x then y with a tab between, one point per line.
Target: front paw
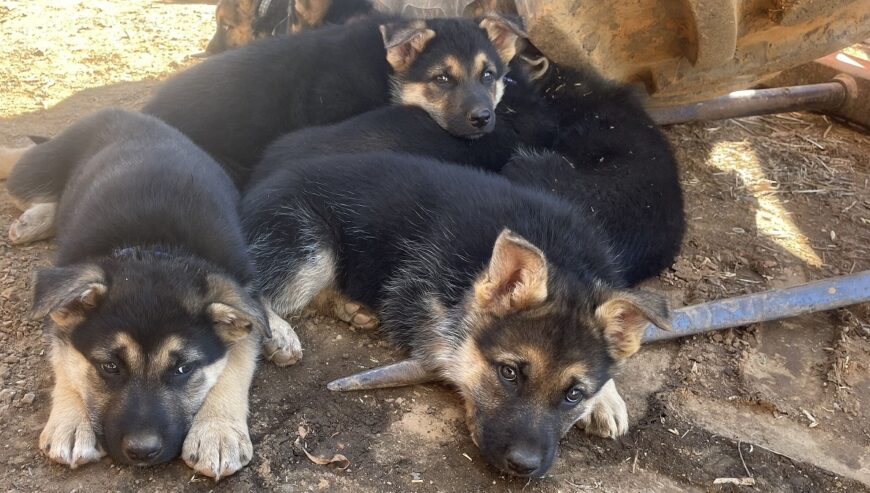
217	448
609	416
34	224
283	348
68	438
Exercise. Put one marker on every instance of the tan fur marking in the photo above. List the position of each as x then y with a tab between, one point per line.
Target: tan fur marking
68	437
69	316
8	158
624	318
404	46
132	353
503	35
162	359
419	94
238	16
516	278
310	12
455	67
218	443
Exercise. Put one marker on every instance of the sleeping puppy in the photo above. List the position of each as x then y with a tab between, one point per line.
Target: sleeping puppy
154	324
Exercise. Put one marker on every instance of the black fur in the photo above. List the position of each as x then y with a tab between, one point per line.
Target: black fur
234	104
523	118
409	237
386	216
147	214
610	157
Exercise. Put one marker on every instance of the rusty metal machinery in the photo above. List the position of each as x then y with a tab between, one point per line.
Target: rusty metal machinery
681	51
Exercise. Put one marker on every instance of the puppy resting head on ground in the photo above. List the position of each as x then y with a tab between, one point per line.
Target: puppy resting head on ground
453	70
142	337
539	344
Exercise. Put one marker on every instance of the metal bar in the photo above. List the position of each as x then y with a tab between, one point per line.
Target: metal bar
825	96
827	294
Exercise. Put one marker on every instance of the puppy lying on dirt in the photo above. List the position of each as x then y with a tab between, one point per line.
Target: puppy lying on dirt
235	104
510	294
154	324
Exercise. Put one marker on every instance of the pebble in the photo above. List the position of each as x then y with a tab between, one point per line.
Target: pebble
6	396
28	398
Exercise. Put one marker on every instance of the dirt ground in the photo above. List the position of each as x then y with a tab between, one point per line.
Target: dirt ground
772	201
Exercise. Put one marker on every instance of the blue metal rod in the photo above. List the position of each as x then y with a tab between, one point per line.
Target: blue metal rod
827	294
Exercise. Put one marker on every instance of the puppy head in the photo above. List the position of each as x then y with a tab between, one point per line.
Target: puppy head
234	25
540	345
452	68
143	340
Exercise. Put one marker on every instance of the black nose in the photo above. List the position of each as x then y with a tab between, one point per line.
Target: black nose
142	447
480	117
522	461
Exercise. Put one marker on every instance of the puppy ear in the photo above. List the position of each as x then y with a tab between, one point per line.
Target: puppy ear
68	294
505	34
536	68
404	41
233	312
624	316
307	14
516	278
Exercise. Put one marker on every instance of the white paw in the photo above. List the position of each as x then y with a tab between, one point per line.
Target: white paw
217	448
34	224
283	348
68	438
609	416
358	316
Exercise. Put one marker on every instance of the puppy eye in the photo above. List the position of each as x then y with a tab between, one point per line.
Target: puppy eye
110	368
184	369
574	395
442	79
487	76
508	373
224	26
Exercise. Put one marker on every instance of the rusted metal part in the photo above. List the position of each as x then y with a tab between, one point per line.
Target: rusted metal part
851	71
689	50
825	96
826	294
816	296
407	372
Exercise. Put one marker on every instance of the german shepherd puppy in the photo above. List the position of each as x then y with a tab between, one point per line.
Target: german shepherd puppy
154	324
233	105
507	292
609	156
240	22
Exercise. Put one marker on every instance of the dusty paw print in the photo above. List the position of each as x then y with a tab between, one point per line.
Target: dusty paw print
609	416
283	348
70	439
217	448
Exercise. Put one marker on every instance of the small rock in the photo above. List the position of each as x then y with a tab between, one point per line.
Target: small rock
28	398
6	396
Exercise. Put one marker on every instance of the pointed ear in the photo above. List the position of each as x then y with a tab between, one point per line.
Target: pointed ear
505	34
625	315
535	68
232	310
404	41
67	294
516	278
